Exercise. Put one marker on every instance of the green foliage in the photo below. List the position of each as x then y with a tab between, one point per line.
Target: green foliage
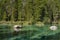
30	10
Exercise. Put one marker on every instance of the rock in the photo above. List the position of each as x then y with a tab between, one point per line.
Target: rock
17	27
53	28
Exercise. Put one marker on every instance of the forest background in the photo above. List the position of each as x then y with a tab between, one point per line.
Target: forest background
30	11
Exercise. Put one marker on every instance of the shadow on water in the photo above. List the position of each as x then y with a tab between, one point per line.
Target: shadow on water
51	37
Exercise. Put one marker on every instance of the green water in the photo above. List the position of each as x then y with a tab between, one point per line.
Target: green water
31	32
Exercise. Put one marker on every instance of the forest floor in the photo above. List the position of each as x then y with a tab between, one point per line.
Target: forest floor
24	23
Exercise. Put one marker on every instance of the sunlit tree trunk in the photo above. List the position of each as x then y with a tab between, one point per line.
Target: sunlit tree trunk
23	10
